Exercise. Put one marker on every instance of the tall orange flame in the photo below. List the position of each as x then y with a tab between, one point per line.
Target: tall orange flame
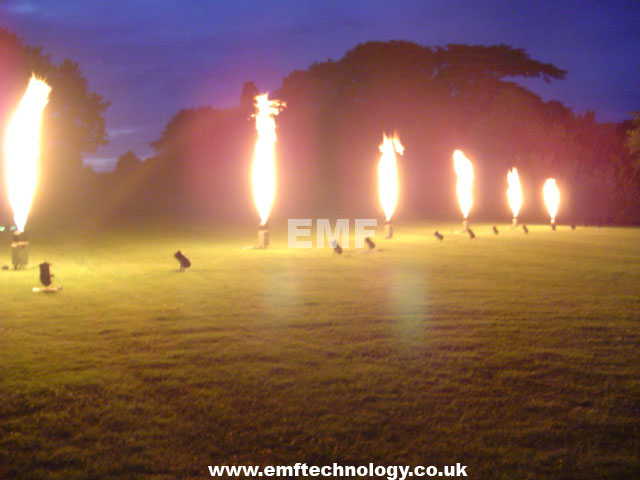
551	197
388	174
22	150
464	187
514	191
263	171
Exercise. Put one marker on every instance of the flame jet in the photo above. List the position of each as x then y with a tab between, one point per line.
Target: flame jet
514	194
263	170
464	187
388	178
551	199
22	150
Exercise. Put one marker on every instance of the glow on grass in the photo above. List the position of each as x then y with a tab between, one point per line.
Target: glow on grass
551	198
263	171
22	149
388	174
514	191
464	187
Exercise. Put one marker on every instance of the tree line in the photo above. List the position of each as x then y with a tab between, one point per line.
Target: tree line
436	98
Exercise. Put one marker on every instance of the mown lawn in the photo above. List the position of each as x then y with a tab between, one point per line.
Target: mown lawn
516	355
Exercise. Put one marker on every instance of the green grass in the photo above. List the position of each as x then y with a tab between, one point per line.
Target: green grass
518	356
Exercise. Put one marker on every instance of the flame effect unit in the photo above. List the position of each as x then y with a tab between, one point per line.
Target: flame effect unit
263	236
388	179
514	194
388	229
22	150
19	250
464	186
263	171
551	199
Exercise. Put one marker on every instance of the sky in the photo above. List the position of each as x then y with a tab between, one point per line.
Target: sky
152	58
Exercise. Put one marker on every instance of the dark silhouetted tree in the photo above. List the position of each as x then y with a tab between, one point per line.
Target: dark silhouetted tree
432	97
127	163
437	100
633	140
248	95
73	120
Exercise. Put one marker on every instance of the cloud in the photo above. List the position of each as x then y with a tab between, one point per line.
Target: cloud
101	164
119	132
21	7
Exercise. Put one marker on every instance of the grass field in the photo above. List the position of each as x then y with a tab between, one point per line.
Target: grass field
516	355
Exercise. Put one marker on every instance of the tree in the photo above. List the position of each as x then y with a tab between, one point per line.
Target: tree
127	163
74	115
633	138
202	161
248	95
337	111
633	141
437	99
73	123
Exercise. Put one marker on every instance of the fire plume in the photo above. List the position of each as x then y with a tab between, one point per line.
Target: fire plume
551	197
263	170
388	174
22	149
514	191
464	186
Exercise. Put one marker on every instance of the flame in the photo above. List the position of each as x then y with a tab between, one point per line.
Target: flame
514	191
263	171
388	174
464	187
22	149
551	197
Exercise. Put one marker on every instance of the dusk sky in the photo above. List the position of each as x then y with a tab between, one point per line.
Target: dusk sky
150	59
